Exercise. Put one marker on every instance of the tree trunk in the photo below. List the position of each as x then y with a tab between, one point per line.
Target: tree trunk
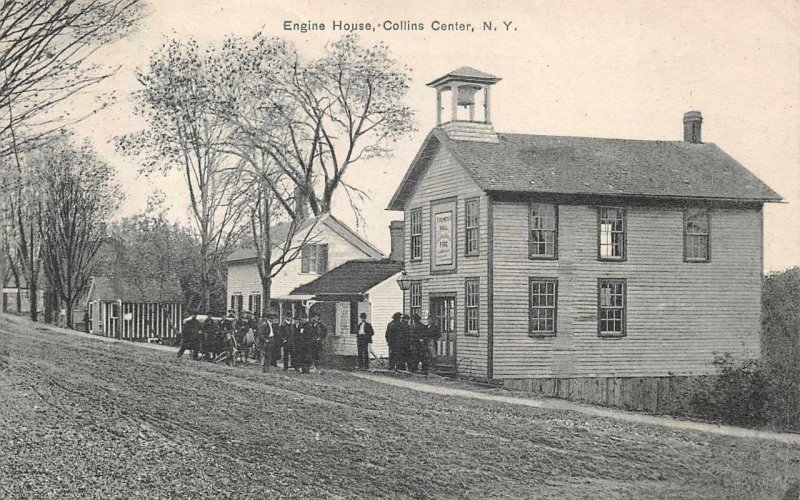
69	304
34	292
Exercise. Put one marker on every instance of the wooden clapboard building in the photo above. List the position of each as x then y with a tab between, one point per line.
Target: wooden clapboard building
574	259
320	244
358	286
134	309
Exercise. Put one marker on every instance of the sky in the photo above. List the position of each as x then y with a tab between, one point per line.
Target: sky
619	69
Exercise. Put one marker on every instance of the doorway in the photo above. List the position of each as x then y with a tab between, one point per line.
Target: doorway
443	309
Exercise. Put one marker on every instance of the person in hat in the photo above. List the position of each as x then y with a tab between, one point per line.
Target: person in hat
416	334
286	334
392	339
364	335
304	346
266	342
320	333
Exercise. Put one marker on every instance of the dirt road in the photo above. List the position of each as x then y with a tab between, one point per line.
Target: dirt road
83	419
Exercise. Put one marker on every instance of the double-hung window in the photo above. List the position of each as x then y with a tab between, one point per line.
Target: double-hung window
314	258
415	217
611	233
471	305
696	235
471	209
543	296
415	298
611	307
543	231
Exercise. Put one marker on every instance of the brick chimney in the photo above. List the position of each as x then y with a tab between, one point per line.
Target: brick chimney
397	234
692	124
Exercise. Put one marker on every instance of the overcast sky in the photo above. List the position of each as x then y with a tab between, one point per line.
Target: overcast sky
585	68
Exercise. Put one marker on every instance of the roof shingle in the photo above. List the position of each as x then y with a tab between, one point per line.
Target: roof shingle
525	163
354	277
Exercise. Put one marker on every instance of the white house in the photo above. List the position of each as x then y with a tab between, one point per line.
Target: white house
329	243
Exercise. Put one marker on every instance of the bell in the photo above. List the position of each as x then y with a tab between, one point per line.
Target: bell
466	95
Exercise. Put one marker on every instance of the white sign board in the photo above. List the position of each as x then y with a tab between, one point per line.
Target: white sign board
443	239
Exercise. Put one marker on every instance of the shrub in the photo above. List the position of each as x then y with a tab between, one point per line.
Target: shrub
738	395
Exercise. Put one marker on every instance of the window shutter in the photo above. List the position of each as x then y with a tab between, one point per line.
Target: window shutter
322	259
304	259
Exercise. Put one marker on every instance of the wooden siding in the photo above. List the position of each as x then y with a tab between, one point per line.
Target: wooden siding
445	178
243	278
679	314
383	300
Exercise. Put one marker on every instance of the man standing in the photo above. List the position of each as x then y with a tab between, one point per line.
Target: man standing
392	339
363	340
286	341
266	340
319	332
304	346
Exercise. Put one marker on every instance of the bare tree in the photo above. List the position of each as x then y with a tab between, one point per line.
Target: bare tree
184	132
80	195
45	52
331	113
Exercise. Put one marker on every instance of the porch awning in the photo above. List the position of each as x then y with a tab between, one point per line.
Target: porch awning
293	297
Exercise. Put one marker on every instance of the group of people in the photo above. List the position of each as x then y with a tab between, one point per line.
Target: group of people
298	342
412	343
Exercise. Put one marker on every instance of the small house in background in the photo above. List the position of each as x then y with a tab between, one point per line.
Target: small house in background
357	286
17	299
134	309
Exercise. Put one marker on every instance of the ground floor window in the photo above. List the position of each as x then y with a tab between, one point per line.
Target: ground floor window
237	302
254	304
415	298
543	304
611	305
471	305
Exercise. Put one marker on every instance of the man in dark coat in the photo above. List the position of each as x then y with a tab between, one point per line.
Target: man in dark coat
189	336
286	334
266	343
403	338
320	333
364	333
416	337
208	333
393	339
304	346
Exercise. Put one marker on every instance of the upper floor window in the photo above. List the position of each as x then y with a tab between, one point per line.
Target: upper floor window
416	233
695	235
471	209
611	232
314	258
611	307
543	230
472	303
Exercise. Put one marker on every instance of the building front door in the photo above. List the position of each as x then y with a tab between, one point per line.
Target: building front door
443	309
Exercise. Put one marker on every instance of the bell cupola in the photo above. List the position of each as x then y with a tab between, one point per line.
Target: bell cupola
463	105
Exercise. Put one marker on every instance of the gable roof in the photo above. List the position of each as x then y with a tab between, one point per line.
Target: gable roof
354	277
526	163
145	290
281	231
